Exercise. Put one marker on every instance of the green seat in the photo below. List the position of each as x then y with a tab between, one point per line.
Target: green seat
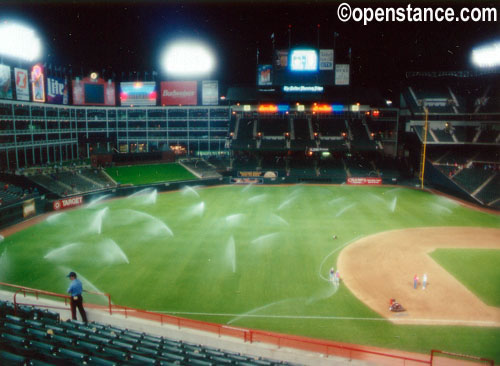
11	358
99	361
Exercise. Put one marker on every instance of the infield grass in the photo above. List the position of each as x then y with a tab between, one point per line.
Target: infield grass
247	256
477	269
152	173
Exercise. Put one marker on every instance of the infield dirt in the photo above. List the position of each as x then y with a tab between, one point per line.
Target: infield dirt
381	266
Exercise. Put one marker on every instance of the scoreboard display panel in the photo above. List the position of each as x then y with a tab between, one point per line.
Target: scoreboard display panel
303	67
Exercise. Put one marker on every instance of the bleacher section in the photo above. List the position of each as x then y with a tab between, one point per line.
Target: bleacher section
272	126
438	98
330	127
472	178
360	138
244	134
302	134
200	168
489	134
36	337
489	193
465	133
10	193
442	135
98	176
71	180
359	166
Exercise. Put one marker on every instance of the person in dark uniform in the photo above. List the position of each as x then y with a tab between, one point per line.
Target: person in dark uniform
75	290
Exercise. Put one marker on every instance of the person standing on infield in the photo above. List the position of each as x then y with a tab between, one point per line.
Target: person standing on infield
75	290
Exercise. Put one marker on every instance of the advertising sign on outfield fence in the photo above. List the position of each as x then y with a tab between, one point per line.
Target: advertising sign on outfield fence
364	180
67	202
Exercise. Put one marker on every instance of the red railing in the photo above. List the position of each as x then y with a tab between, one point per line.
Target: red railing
455	356
327	348
37	293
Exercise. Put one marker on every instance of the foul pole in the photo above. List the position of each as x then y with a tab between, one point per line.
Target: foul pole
424	146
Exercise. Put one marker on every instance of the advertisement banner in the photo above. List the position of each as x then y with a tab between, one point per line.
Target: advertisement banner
109	93
364	180
247	181
138	93
253	174
179	93
78	94
209	92
264	75
326	59
38	84
68	202
93	92
5	82
342	74
281	60
29	208
22	89
57	90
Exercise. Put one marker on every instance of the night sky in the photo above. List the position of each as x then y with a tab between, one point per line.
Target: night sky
123	36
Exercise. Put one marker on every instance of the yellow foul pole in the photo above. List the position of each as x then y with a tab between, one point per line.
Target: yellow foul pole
424	145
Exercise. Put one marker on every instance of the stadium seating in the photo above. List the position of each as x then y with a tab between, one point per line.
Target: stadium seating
65	181
10	193
38	338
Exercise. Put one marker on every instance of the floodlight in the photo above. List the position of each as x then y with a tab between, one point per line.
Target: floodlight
188	59
19	41
487	56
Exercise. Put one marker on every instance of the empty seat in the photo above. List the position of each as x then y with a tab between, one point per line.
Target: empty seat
63	340
195	361
37	333
14	338
142	359
14	328
43	346
72	354
128	339
54	328
149	344
13	318
215	353
172	349
116	353
34	323
76	333
172	356
124	345
98	338
146	351
88	346
99	361
221	360
11	358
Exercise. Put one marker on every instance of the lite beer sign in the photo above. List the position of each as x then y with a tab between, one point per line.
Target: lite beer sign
56	91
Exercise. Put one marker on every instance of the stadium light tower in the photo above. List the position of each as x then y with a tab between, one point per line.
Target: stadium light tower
187	58
19	41
487	56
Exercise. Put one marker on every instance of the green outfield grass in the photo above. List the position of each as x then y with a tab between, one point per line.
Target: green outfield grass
144	174
477	269
248	256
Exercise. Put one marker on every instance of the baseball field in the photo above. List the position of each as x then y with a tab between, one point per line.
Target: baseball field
259	257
